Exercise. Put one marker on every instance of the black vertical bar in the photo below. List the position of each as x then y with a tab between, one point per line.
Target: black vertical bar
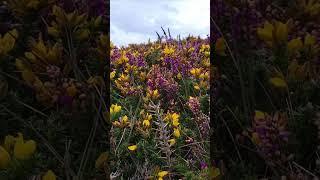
107	78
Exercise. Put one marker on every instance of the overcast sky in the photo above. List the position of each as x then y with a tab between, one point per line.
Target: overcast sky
135	21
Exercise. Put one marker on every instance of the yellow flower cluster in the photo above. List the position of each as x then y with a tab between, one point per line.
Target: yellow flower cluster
201	75
123	83
309	45
152	94
122	123
114	109
75	21
304	51
162	174
123	59
7	42
16	146
146	118
205	49
132	147
278	80
173	119
274	33
112	75
168	50
49	175
41	53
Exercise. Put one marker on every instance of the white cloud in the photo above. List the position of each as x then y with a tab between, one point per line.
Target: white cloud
135	21
122	37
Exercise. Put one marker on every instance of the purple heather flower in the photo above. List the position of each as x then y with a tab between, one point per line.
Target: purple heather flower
203	165
194	105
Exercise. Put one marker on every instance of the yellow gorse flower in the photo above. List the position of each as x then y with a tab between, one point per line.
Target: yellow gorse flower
259	115
176	132
274	33
122	123
281	32
204	76
114	109
191	49
168	50
124	119
266	33
9	142
123	59
133	147
146	116
142	76
49	175
175	122
153	94
161	174
146	123
40	52
309	40
214	172
196	87
146	119
278	82
75	21
174	118
309	46
179	76
4	158
7	42
294	46
296	71
172	142
206	62
255	138
123	78
205	48
21	150
112	74
24	150
196	72
130	68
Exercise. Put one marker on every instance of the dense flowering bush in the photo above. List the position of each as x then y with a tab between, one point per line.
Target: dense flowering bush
53	64
160	109
267	100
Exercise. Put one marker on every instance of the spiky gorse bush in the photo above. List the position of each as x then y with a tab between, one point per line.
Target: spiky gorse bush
269	78
53	56
160	109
